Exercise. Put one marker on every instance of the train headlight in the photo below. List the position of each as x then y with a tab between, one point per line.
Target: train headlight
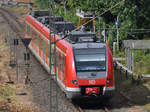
75	82
108	81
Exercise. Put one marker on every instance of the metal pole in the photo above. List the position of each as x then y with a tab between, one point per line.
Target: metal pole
65	7
99	19
53	61
130	60
117	24
16	63
133	60
128	55
104	34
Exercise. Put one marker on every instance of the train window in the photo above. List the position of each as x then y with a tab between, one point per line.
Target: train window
38	39
25	28
32	35
35	38
53	54
48	50
93	60
28	29
62	64
58	60
42	44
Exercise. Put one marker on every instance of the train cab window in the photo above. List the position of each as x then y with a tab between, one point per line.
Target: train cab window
90	60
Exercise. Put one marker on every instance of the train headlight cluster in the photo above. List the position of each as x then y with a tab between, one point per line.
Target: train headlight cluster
108	81
75	82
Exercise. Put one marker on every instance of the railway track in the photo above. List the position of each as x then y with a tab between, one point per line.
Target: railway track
41	91
13	22
40	88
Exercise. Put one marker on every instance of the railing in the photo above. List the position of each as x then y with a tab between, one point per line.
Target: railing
129	73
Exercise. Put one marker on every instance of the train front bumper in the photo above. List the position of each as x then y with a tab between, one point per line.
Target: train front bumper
107	92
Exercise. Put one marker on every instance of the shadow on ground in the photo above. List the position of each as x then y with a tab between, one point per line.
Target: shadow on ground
128	94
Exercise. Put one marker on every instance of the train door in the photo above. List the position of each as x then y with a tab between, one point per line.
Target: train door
40	45
42	49
46	50
59	65
63	70
36	41
48	54
33	38
30	35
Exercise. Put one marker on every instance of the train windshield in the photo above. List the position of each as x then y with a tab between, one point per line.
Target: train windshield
90	59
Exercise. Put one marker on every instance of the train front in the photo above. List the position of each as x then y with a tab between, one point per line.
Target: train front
94	70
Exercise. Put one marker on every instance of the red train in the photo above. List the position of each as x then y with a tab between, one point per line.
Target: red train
85	65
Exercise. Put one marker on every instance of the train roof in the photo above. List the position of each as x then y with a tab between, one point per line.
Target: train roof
58	24
39	13
45	19
82	37
62	26
78	39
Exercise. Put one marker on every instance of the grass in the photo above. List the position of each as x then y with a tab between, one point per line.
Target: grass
9	101
147	107
6	92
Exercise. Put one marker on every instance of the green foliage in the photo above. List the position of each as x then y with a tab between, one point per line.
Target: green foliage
142	65
132	14
6	92
43	4
69	16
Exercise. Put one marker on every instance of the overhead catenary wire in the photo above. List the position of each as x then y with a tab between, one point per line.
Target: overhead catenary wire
65	36
126	29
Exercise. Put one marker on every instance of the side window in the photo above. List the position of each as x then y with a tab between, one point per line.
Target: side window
36	38
28	29
52	54
45	47
42	44
48	50
58	59
33	37
62	63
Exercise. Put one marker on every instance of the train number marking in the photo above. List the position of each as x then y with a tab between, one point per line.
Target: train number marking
92	81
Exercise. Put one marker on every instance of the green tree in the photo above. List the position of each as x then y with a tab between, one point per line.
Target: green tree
43	4
133	14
